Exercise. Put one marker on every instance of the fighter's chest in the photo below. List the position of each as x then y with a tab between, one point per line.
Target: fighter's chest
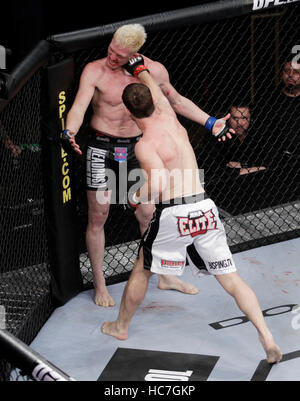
110	88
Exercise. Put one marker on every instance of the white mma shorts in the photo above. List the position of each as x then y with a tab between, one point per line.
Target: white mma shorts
187	224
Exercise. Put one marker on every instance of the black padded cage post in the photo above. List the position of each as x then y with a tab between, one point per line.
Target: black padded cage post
217	54
62	232
30	362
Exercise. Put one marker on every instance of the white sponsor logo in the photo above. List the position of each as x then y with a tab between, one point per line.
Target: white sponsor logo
196	223
44	373
259	4
167	375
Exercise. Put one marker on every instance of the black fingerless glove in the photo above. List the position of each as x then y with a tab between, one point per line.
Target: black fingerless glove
135	66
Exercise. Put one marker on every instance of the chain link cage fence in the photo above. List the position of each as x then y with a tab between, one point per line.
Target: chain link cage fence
225	66
254	178
24	270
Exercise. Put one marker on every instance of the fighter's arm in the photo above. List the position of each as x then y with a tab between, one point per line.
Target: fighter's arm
82	100
136	67
157	95
185	107
180	104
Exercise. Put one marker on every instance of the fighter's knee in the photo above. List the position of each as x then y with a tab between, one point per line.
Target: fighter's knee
96	221
144	215
230	282
144	220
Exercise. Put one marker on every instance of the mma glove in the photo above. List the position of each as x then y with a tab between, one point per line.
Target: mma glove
211	121
133	203
65	137
135	66
67	134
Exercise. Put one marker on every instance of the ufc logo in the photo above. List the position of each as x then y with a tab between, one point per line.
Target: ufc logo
258	4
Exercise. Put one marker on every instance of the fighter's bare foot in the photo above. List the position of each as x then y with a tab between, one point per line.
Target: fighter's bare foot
167	282
272	350
110	328
102	298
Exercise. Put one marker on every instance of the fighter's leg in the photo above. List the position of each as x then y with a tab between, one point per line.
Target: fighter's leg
95	240
144	214
133	296
248	304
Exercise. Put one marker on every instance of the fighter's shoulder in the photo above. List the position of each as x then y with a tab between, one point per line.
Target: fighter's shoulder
93	69
157	69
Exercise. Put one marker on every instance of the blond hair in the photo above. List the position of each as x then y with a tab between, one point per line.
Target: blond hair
131	36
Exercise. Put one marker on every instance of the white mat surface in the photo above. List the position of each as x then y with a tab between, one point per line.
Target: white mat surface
173	322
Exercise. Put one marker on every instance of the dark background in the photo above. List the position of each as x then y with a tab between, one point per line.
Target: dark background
25	22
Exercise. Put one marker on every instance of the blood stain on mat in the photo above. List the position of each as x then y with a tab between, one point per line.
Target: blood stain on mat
253	261
159	307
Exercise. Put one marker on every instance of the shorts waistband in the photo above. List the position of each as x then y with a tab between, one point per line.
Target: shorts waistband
182	200
104	137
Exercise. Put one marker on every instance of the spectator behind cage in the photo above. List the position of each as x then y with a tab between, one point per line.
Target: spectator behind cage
286	106
280	126
242	152
236	169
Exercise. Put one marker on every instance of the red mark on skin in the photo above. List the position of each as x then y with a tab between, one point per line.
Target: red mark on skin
168	93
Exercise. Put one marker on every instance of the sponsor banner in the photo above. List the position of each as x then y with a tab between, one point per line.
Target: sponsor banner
66	280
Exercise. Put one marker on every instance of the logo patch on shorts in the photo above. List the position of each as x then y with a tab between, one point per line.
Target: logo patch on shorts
221	264
196	223
172	263
120	154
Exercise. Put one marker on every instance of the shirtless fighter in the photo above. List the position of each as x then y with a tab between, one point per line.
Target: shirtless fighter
102	83
183	215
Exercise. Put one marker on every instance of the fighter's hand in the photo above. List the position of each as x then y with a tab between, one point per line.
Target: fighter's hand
221	129
75	146
135	66
70	137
